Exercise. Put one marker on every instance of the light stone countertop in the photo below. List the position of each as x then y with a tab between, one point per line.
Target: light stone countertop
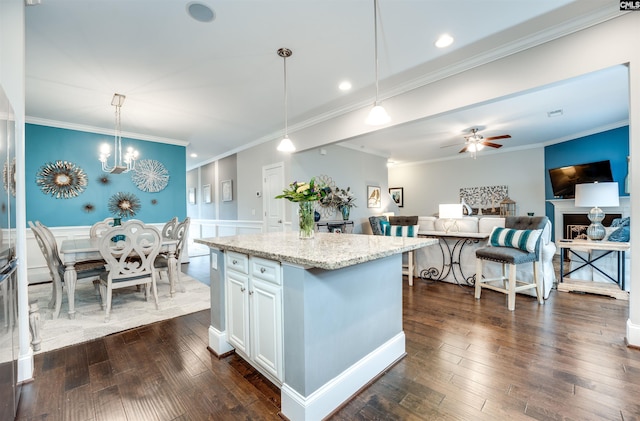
325	251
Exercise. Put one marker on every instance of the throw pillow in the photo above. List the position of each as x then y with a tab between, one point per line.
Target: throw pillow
520	239
622	234
621	222
383	226
401	230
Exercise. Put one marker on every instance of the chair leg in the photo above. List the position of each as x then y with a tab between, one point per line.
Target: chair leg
511	303
57	298
154	291
479	266
108	309
537	279
410	269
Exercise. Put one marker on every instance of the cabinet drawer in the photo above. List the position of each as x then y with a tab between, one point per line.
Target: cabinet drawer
267	270
237	261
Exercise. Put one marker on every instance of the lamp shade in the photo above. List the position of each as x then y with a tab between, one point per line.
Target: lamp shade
450	210
286	145
597	194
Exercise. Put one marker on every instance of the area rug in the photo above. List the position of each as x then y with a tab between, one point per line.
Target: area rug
128	310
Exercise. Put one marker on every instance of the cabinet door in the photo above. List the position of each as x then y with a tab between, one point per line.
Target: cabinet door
266	326
238	311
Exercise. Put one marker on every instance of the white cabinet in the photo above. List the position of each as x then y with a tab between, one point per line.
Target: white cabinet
254	311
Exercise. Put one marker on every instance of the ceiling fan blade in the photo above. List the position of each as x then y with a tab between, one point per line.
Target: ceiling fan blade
463	150
491	145
505	136
451	144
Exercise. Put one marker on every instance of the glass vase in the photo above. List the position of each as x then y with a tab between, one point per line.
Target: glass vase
345	212
307	219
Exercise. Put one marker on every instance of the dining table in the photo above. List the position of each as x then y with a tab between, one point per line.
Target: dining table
83	249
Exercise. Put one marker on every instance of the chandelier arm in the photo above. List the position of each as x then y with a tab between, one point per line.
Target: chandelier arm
375	32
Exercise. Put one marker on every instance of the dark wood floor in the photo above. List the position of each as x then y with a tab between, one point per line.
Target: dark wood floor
466	360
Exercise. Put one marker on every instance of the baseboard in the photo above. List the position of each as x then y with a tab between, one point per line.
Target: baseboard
633	334
25	367
218	342
334	393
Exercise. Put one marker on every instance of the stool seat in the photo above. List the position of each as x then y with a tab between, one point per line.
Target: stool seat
505	255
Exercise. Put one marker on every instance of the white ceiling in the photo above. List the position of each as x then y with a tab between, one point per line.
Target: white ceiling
218	87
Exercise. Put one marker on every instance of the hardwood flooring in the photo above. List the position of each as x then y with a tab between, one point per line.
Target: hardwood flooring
466	360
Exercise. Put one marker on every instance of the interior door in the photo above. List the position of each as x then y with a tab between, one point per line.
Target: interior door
272	185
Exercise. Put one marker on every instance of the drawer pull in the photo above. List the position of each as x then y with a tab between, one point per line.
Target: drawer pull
250	292
242	289
235	262
262	270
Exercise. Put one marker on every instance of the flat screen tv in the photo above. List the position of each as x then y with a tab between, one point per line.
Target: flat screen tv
564	179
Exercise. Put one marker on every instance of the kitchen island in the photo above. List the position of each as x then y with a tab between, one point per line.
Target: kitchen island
320	318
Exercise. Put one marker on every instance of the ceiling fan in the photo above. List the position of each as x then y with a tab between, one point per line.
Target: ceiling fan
475	142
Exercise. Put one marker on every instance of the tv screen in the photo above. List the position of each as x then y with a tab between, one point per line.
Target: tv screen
564	179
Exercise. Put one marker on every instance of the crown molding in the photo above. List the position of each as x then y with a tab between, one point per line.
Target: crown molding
101	130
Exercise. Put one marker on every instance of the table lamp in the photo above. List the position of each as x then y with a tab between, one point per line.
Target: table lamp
596	194
450	212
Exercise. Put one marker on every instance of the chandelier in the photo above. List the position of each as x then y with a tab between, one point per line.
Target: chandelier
121	164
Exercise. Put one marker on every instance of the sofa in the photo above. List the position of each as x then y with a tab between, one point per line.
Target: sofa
436	262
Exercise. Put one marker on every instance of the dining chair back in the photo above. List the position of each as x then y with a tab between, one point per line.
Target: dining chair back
169	228
99	228
87	270
181	234
129	260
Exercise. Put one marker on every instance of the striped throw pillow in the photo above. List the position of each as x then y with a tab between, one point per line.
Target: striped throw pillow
519	239
401	230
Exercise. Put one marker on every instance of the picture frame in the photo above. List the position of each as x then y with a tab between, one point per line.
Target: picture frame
206	193
373	197
397	195
227	190
192	195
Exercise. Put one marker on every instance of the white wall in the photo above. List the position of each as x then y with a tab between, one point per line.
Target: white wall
429	184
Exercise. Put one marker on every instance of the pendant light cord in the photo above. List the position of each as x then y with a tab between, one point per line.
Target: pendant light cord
375	32
286	119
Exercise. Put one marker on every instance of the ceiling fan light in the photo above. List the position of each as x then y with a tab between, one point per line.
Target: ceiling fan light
286	145
377	116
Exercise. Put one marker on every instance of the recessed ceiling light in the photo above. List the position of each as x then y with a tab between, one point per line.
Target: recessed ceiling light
194	155
200	12
344	86
444	40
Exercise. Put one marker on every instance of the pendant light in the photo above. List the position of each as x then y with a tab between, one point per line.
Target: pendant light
121	164
286	145
378	115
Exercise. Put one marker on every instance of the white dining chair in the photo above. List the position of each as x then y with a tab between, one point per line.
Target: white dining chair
100	227
181	234
129	260
86	270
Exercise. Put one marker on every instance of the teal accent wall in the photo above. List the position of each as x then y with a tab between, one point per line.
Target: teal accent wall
612	145
49	144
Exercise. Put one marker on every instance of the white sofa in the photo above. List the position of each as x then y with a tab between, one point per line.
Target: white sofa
435	262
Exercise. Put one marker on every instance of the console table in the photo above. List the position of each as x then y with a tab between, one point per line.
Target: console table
451	255
569	284
338	225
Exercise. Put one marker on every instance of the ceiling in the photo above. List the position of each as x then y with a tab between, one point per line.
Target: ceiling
217	87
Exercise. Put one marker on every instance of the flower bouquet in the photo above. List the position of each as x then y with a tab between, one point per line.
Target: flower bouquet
305	194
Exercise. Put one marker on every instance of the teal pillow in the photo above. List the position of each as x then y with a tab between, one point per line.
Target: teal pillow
519	239
401	230
622	234
383	226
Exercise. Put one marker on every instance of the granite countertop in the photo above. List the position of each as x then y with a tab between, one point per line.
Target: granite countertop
325	251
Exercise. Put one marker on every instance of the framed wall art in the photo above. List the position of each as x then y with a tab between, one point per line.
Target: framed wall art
227	191
206	193
397	194
192	195
373	196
